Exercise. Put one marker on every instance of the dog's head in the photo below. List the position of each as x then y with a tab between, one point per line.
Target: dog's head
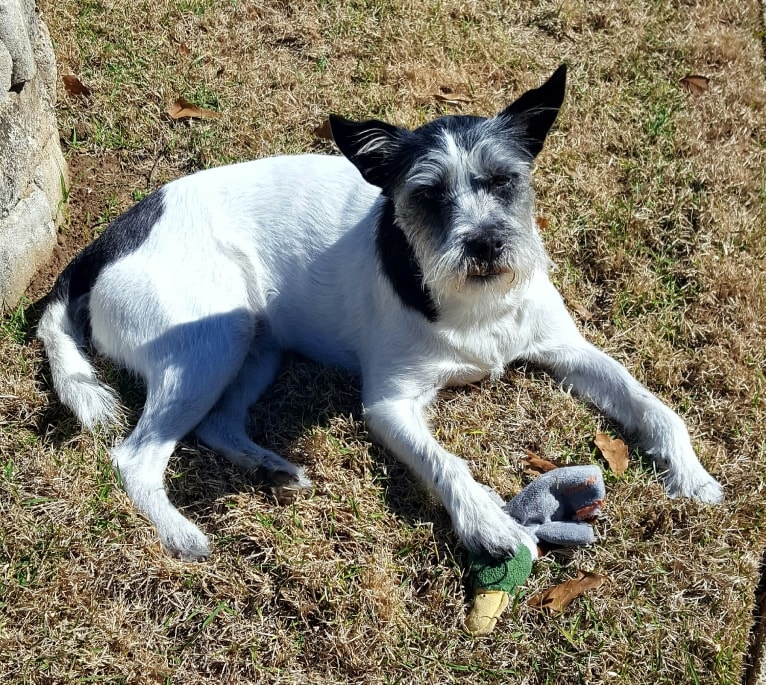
460	187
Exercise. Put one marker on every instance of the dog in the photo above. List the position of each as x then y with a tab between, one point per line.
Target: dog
413	260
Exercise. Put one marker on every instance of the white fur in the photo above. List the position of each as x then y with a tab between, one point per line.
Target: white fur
278	254
73	375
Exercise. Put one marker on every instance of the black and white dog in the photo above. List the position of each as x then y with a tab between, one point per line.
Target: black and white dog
413	260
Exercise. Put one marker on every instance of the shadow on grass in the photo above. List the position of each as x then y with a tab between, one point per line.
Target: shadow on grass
304	396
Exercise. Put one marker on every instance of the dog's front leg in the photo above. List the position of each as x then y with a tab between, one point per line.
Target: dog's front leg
477	518
595	376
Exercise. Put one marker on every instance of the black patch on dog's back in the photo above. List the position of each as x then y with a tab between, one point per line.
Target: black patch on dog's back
123	236
400	265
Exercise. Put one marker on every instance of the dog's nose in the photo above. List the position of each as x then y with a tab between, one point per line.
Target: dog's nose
485	248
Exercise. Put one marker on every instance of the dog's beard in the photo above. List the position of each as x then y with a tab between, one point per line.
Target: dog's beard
476	269
448	270
451	272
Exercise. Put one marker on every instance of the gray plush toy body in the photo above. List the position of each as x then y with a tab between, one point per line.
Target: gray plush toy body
555	506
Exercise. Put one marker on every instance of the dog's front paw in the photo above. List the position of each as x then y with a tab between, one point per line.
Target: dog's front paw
697	484
483	527
677	463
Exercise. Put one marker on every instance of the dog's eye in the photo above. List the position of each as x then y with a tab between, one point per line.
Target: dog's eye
429	194
501	181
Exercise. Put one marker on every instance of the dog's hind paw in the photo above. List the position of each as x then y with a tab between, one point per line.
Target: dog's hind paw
187	543
287	486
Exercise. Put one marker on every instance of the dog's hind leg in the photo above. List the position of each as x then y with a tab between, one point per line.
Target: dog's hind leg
142	457
186	370
224	429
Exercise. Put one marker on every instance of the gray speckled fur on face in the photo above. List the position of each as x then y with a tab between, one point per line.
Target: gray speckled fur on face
466	202
459	196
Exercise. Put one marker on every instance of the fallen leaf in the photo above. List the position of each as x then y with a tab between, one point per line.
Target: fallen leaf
75	87
615	451
324	130
537	465
695	84
556	599
542	223
184	49
449	97
183	109
582	312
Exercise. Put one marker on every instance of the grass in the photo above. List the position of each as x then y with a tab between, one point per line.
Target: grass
654	201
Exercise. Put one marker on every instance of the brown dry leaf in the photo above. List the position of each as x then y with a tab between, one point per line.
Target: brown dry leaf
75	87
542	223
183	109
615	451
695	84
324	130
581	311
449	97
557	599
537	465
184	49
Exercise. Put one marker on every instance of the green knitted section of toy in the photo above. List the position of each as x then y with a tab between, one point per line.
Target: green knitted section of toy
501	574
493	582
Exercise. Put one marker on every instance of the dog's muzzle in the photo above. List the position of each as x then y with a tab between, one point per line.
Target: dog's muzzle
484	256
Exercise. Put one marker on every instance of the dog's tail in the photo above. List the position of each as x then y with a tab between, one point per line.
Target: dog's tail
63	328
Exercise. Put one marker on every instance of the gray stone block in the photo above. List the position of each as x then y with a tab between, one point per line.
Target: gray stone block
28	236
32	167
17	33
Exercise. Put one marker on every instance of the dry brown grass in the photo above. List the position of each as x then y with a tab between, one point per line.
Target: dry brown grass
654	200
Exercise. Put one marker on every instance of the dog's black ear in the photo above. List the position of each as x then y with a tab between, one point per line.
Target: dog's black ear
368	145
533	114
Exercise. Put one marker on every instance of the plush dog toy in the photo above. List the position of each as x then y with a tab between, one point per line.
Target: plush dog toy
554	509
